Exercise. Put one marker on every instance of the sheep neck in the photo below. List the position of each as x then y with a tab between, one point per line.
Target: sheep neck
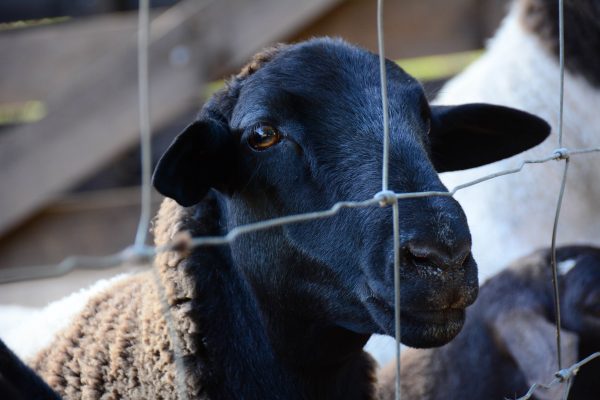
235	346
327	360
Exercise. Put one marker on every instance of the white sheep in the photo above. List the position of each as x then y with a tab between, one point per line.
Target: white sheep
509	339
513	215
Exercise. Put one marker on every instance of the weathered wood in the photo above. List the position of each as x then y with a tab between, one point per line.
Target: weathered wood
93	114
413	27
87	224
42	62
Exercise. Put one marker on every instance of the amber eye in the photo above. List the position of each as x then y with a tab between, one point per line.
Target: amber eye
263	137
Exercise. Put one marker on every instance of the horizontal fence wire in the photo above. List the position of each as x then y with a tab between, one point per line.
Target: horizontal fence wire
140	252
134	254
560	377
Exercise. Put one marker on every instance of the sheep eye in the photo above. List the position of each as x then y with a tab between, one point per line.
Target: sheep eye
263	137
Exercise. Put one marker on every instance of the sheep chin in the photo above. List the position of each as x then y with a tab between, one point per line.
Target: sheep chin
418	328
424	329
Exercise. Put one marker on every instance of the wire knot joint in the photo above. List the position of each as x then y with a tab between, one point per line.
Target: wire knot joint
182	243
137	254
385	198
561	154
564	374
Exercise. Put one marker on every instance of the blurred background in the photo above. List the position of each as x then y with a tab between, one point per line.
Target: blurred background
69	156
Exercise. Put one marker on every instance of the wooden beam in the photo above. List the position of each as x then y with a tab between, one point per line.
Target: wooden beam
92	115
413	28
87	224
42	62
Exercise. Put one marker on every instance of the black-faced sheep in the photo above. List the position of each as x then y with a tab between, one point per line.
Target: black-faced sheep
508	342
520	68
284	313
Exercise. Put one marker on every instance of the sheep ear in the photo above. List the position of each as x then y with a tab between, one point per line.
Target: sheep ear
472	135
198	159
530	340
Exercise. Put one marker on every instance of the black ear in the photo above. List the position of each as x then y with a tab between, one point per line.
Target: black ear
199	158
472	135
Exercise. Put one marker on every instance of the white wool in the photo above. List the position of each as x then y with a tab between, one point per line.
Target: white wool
26	330
382	348
565	266
513	215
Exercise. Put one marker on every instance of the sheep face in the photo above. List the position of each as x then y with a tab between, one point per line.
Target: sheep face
580	296
303	131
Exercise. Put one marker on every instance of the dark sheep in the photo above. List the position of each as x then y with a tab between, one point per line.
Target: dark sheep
18	381
284	313
508	342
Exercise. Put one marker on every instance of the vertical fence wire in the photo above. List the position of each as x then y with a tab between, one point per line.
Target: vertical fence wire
144	122
384	102
561	29
397	326
561	60
139	248
385	190
555	266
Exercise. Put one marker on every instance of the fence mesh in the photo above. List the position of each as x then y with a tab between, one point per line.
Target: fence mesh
139	251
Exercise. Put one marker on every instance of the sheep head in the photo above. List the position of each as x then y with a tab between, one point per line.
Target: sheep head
302	130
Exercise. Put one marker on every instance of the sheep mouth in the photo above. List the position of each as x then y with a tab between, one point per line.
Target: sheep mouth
442	316
431	328
421	328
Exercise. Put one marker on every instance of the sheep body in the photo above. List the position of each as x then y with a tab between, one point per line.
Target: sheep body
119	343
121	346
511	215
19	326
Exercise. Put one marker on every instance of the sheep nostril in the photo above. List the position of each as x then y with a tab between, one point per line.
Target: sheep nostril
463	258
432	257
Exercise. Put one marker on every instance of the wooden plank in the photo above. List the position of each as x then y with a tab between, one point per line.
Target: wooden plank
88	224
412	27
42	61
95	115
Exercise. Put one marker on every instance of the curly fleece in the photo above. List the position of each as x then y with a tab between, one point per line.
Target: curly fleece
119	346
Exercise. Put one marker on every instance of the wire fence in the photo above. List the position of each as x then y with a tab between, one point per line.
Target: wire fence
139	251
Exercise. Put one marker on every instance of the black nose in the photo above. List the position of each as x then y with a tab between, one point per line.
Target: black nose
437	256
